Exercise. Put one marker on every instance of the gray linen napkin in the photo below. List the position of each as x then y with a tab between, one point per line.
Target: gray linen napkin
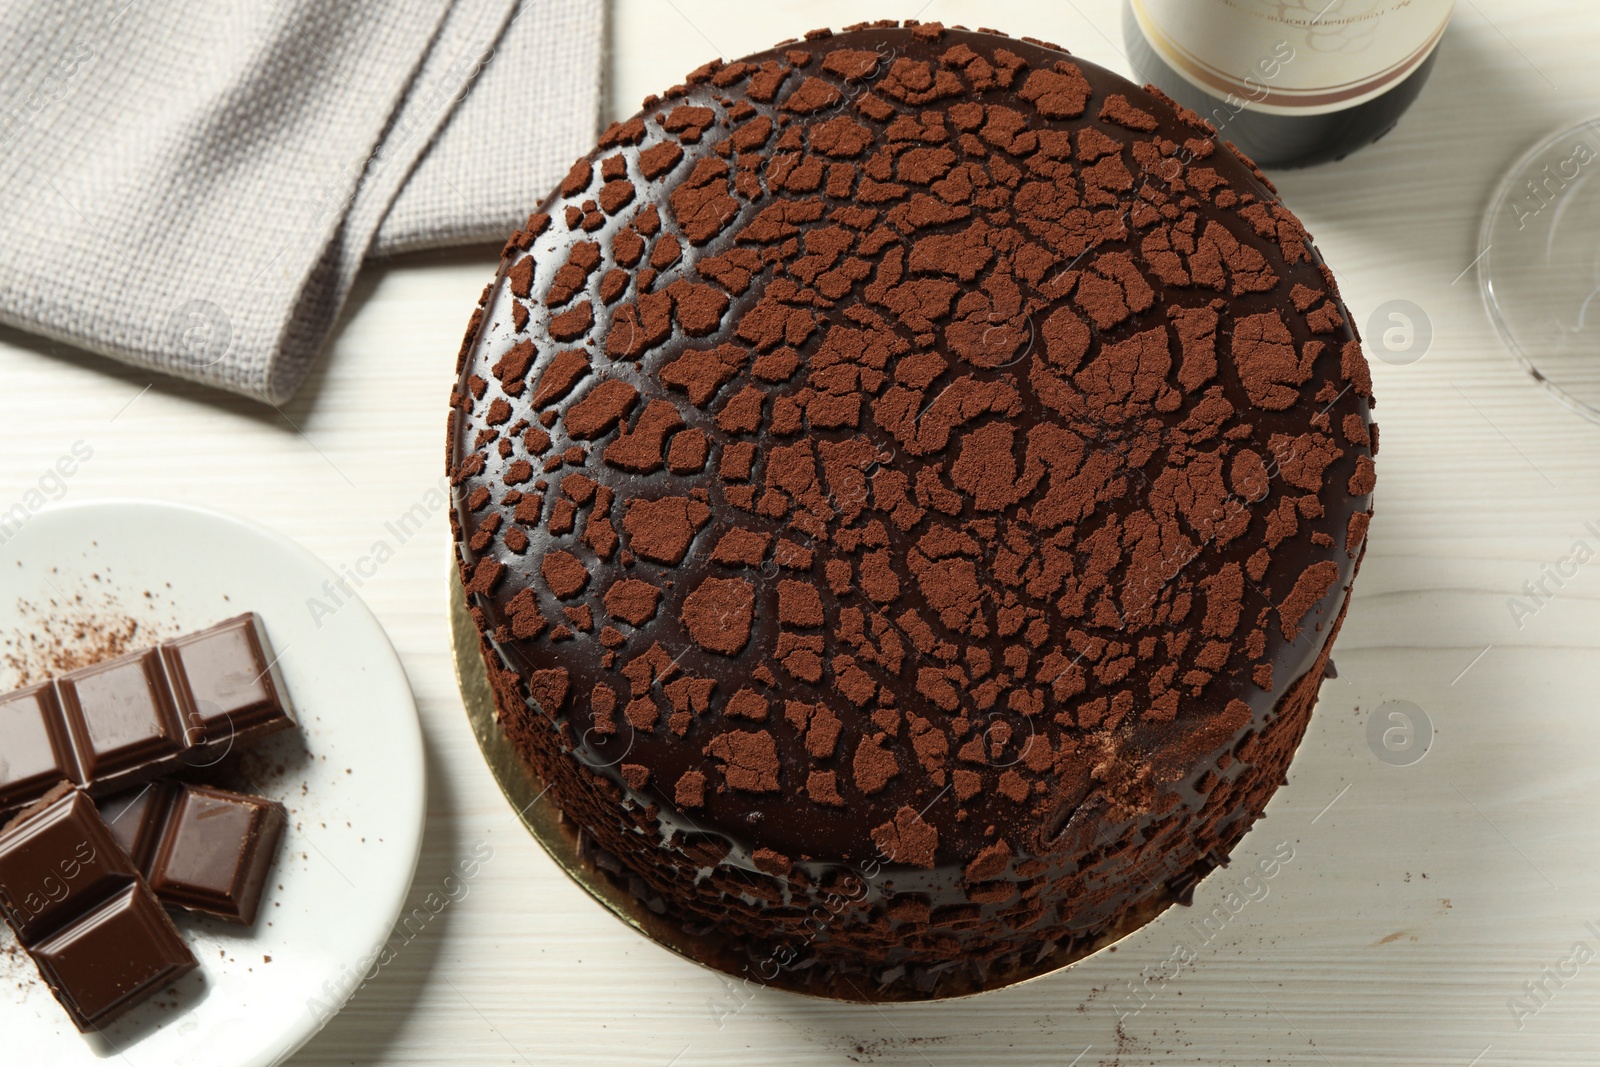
192	187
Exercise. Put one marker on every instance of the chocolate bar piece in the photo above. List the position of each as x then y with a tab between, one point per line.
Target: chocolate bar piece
81	910
183	703
200	848
36	752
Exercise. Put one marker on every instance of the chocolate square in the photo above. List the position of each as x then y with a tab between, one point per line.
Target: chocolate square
54	861
113	957
138	818
215	852
37	751
122	717
229	680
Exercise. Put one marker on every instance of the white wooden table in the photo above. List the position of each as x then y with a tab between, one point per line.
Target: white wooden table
1419	900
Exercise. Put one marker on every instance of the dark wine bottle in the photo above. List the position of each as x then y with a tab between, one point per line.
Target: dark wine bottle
1290	82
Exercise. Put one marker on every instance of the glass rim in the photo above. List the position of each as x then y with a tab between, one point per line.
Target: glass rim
1502	192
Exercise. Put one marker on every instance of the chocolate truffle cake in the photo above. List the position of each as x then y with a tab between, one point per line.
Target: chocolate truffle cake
908	483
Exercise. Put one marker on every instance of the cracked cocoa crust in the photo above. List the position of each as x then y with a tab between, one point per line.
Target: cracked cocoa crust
916	475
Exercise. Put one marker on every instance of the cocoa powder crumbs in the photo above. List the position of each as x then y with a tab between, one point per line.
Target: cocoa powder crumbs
63	633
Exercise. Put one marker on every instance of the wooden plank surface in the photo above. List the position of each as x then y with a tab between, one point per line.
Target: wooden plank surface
1419	899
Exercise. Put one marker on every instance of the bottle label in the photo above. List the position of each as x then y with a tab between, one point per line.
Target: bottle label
1293	57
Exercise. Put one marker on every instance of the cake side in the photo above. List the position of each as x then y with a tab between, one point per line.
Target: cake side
914	475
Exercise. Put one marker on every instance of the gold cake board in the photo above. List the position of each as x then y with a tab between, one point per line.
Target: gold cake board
540	814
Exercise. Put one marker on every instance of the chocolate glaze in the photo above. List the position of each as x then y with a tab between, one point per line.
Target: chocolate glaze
1130	422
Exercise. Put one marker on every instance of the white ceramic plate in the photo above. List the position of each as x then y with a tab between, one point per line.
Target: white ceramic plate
352	778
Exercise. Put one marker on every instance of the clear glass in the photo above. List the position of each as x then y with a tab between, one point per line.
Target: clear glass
1539	264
